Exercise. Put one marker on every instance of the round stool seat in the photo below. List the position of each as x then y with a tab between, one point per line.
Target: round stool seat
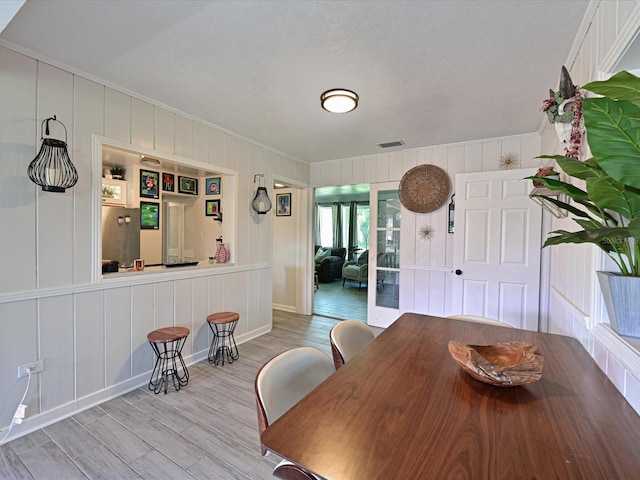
167	344
223	344
223	317
168	334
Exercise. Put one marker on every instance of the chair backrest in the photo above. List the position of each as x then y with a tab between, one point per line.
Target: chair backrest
477	319
285	379
347	338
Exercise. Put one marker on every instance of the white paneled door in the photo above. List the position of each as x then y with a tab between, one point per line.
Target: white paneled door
497	248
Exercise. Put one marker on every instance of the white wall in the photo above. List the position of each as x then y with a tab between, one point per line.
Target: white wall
93	335
425	270
286	241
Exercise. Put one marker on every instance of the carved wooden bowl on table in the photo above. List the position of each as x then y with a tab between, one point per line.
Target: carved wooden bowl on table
506	364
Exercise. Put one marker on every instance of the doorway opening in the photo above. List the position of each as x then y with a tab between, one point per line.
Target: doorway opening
341	248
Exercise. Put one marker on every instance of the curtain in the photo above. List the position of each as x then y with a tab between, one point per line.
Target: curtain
317	232
337	225
353	225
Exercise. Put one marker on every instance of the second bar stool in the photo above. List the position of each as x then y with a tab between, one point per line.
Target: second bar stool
222	325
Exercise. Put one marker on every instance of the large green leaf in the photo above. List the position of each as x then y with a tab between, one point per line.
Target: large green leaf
564	187
608	194
604	237
582	170
622	86
613	133
564	205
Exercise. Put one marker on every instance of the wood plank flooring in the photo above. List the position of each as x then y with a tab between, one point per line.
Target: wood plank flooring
335	301
207	430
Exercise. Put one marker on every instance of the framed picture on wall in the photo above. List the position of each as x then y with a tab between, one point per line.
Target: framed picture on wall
149	184
213	186
168	182
283	205
212	207
149	215
188	185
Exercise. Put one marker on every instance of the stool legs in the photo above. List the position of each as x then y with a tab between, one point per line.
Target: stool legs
167	355
218	349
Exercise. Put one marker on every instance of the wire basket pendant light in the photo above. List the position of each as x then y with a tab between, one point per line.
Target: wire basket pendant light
52	168
261	203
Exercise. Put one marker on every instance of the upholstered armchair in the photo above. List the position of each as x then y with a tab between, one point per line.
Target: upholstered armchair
330	268
357	271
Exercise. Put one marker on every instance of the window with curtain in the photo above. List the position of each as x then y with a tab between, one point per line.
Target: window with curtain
343	224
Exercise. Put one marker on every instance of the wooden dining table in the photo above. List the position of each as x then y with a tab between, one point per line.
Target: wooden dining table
404	409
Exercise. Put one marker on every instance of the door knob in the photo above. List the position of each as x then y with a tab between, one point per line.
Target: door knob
458	272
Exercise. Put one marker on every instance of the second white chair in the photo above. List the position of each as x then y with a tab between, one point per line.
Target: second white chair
281	383
347	339
477	319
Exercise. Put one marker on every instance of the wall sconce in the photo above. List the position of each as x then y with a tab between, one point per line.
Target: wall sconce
127	219
120	220
452	214
261	202
52	168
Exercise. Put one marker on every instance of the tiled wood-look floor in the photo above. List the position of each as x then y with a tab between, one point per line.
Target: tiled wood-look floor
207	430
348	302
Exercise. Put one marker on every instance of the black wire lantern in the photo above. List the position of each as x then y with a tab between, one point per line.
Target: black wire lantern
261	202
52	168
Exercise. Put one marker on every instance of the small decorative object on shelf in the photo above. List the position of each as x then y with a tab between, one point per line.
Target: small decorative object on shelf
117	173
222	254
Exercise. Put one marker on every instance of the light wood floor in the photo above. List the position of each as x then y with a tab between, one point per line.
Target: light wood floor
207	430
344	302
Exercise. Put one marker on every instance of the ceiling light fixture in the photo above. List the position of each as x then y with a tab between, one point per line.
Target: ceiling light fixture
339	100
152	162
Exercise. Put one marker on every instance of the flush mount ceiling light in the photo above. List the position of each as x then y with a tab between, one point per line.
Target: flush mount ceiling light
339	100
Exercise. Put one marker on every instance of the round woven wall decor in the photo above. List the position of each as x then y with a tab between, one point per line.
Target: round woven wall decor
424	188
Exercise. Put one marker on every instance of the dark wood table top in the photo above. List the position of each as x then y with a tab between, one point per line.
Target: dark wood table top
403	409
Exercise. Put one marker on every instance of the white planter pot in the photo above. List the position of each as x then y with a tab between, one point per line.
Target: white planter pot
622	299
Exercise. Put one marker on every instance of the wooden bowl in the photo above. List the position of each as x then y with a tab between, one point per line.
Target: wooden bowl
504	364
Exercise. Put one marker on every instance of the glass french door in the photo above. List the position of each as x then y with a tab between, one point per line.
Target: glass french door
384	245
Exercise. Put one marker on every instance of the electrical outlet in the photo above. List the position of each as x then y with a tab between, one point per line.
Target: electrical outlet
36	367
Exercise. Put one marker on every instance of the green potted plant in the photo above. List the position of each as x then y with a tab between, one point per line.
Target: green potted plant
606	197
117	173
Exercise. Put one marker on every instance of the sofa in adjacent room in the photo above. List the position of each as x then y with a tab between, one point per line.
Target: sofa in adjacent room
329	263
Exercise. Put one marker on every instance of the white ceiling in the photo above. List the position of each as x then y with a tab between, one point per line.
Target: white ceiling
427	72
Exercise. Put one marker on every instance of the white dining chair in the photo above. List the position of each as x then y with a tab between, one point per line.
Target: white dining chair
281	383
478	319
347	338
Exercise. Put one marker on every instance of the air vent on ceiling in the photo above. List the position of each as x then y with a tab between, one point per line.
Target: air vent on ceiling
395	143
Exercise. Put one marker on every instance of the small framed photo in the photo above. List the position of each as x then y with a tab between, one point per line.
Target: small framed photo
188	185
149	215
213	186
168	182
149	184
283	205
212	207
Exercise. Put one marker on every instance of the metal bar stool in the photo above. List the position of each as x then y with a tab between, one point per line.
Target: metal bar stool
222	325
167	344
